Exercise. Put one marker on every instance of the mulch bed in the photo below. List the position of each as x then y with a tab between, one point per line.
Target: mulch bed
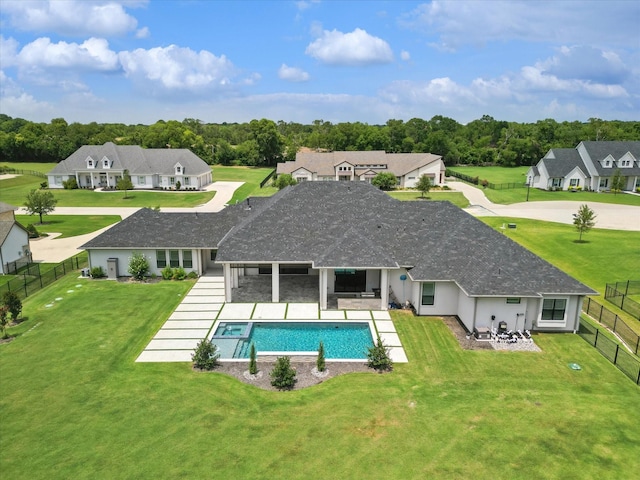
304	376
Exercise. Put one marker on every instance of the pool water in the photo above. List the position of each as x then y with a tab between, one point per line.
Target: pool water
231	329
342	340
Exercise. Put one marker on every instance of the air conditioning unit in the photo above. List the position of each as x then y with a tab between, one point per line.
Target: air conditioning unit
85	272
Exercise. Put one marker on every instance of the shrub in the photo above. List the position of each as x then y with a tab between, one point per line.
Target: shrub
97	272
378	357
70	184
283	376
179	274
31	230
192	275
475	180
253	365
167	273
44	185
4	320
138	265
205	356
13	304
384	181
485	183
178	185
320	361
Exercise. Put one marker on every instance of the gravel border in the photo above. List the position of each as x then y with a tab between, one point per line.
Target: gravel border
305	376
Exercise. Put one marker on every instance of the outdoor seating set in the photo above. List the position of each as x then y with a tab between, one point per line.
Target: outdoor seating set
502	335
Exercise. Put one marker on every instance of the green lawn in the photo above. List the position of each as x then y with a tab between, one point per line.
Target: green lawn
69	225
38	167
252	176
457	198
75	405
495	174
516	195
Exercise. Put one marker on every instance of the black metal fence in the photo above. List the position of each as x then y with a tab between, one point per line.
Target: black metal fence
33	278
618	294
18	171
485	183
613	322
267	178
12	268
626	362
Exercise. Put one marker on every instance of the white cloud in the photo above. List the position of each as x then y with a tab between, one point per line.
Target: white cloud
354	48
405	56
72	17
143	33
17	103
92	55
292	74
174	68
587	63
458	23
8	51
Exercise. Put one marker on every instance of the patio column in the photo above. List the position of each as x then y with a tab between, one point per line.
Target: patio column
384	289
234	277
275	283
323	288
226	269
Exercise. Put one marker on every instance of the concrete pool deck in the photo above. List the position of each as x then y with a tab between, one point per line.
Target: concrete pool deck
199	310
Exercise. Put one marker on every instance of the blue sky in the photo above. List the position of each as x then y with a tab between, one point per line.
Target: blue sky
138	61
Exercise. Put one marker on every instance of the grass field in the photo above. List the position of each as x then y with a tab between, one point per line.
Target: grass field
75	405
252	176
499	175
69	225
457	198
38	167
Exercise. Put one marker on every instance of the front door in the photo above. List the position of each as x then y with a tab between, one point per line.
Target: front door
350	280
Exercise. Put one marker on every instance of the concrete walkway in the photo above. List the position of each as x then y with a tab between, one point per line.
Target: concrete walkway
609	216
196	316
53	250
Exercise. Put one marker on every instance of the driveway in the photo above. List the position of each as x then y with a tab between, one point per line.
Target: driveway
609	216
53	250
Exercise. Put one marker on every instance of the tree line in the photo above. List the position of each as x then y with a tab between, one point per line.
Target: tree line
485	141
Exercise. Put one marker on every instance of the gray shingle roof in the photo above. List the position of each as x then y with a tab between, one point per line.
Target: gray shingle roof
566	159
598	151
336	224
139	161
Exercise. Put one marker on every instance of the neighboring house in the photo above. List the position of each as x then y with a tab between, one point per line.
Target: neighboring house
589	166
407	167
101	166
353	238
14	240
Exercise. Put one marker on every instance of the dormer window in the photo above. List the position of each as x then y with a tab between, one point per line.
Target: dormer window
607	163
178	169
105	163
90	163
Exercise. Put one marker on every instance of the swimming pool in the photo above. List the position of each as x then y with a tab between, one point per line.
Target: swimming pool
342	340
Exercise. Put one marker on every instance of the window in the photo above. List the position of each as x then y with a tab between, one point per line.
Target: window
90	163
428	293
212	255
574	182
174	258
187	181
142	180
172	180
294	270
178	169
607	163
557	182
513	301
604	182
58	180
301	179
344	178
187	262
553	309
264	270
161	258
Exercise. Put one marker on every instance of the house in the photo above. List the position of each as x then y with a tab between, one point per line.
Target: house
101	166
350	238
589	166
363	166
14	241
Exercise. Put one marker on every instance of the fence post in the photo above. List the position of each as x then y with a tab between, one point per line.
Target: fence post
600	316
615	322
637	344
626	290
615	357
595	340
26	293
64	270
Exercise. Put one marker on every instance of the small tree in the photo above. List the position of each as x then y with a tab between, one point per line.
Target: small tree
283	376
320	361
253	365
384	181
378	357
617	182
138	265
205	356
284	180
13	304
70	184
178	185
584	220
41	202
424	185
4	320
125	183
